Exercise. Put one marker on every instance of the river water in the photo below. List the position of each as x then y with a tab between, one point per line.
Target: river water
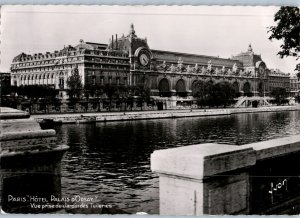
111	161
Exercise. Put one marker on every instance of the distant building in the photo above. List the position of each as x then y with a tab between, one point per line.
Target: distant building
294	86
128	60
278	79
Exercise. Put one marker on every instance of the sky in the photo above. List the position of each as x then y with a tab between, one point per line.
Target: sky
206	30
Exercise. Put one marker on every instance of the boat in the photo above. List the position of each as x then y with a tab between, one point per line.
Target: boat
50	123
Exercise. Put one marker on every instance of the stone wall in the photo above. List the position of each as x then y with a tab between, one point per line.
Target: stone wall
258	178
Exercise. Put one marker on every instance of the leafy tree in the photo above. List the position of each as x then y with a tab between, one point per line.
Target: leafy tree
212	94
227	93
298	74
288	30
142	92
200	92
112	92
35	91
279	94
75	85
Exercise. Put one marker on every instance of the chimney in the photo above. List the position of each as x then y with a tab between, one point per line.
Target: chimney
112	42
116	41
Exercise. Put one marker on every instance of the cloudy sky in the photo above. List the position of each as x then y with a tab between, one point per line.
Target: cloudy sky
208	30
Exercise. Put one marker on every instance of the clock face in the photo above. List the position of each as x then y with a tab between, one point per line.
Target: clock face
144	59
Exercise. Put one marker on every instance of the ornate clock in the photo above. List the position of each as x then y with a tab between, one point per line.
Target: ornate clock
144	59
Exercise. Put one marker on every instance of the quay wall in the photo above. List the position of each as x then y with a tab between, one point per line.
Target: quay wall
143	115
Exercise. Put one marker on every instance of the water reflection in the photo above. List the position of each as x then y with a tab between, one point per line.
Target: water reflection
112	160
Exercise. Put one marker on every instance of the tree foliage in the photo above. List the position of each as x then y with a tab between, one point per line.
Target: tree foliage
75	85
210	94
279	94
35	91
287	29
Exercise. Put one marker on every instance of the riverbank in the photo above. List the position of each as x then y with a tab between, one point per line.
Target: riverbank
142	115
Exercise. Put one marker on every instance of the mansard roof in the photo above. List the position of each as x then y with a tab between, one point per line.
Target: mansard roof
67	49
169	56
19	57
90	46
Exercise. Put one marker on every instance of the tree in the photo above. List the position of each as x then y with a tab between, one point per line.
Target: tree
200	91
227	93
111	91
75	85
279	94
298	74
142	92
288	30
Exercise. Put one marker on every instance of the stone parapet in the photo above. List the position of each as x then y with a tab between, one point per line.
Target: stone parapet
227	179
30	161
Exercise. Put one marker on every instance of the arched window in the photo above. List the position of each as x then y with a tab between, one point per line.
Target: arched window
236	88
180	88
247	89
164	88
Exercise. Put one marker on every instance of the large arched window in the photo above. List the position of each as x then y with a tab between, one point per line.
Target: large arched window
164	88
236	88
180	88
247	89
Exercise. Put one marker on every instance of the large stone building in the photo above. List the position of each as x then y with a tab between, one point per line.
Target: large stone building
128	60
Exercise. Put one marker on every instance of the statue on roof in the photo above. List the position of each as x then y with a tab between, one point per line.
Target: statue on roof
132	31
196	68
172	68
180	66
234	68
224	70
209	65
250	48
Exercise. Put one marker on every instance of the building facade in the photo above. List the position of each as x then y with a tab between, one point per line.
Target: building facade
128	60
294	86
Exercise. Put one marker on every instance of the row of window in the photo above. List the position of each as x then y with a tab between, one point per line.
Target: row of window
46	62
61	82
41	76
100	66
38	69
103	80
107	60
278	84
106	53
